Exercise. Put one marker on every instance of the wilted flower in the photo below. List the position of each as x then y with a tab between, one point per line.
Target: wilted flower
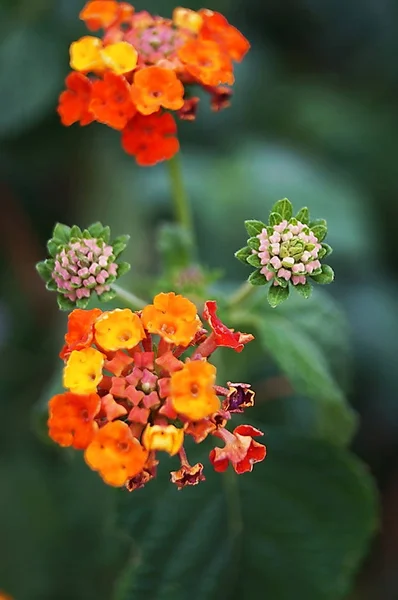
144	65
287	251
82	263
131	393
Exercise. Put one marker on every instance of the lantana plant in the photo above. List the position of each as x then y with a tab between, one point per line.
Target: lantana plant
140	380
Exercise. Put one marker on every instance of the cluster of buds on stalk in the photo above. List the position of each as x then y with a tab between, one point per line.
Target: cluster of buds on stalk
144	68
140	383
83	264
287	251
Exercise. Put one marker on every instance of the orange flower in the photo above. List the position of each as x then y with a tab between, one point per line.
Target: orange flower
116	454
111	103
240	450
71	421
83	371
173	317
205	61
185	18
155	87
101	14
118	329
163	437
192	392
151	138
216	28
74	102
85	54
80	330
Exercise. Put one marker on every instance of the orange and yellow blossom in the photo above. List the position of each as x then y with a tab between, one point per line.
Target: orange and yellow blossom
192	390
116	454
131	396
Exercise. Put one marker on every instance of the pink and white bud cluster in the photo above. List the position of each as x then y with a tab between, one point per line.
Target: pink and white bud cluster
83	267
289	253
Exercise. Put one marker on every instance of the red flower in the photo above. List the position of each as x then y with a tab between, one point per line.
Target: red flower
74	102
216	28
240	449
151	138
111	103
223	335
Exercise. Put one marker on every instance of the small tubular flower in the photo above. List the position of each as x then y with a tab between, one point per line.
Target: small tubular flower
223	335
101	14
120	57
163	437
204	60
80	332
151	139
116	454
83	371
216	28
74	102
173	317
111	103
187	475
71	419
85	55
187	19
155	87
120	328
240	450
192	392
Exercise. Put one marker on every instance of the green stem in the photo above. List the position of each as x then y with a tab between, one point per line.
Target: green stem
182	208
131	299
243	292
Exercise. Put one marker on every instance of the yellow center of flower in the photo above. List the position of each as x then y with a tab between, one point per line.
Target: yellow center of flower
83	371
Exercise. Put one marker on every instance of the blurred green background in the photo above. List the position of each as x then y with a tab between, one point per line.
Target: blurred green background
314	118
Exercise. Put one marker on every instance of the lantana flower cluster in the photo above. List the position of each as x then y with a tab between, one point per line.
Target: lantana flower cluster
83	263
146	67
141	383
287	252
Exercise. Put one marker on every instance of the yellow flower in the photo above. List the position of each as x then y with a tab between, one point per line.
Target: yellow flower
163	437
187	19
83	371
192	392
118	329
120	57
173	317
85	54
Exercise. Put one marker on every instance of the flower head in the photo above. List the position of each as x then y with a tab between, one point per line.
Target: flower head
173	317
158	60
71	421
132	395
240	449
287	252
82	263
116	454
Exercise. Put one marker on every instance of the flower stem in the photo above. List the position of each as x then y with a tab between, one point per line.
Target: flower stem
131	299
243	292
182	208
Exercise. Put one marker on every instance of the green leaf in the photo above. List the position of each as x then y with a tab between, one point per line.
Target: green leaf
303	215
299	524
51	286
76	232
61	233
52	248
304	290
277	295
254	260
44	270
106	234
284	208
327	275
256	278
64	303
243	254
300	336
275	219
253	227
108	296
320	231
82	303
325	251
253	243
96	229
123	268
